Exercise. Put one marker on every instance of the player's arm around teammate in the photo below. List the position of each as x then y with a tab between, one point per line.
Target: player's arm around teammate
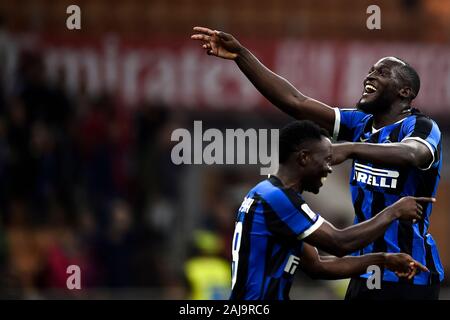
407	153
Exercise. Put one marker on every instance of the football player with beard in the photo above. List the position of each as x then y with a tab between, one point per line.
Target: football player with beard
395	149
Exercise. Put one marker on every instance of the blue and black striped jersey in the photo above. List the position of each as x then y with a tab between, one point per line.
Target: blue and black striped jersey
375	187
267	241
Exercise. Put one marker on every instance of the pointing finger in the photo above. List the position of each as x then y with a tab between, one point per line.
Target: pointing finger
204	30
424	199
421	266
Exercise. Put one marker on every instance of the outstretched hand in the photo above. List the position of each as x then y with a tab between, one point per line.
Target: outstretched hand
217	43
410	208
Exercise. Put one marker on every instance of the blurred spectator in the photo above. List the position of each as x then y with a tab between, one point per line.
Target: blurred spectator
208	274
117	246
26	259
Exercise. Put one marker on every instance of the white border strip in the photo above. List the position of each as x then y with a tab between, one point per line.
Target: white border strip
311	229
375	171
428	146
337	123
308	211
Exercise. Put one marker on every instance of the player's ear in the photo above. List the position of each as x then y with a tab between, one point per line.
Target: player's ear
303	157
406	93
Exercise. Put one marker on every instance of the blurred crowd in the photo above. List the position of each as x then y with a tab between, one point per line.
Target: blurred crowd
83	181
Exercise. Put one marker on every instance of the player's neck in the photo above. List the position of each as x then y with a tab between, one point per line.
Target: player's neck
285	174
390	116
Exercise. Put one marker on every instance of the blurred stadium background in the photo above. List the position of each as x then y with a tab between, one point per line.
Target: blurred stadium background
86	118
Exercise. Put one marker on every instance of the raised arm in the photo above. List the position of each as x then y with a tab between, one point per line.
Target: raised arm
340	242
329	268
275	88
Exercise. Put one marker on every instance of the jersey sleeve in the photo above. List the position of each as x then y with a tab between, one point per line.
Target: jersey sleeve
426	131
345	123
290	216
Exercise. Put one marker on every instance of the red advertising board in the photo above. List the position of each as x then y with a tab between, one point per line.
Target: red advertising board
179	74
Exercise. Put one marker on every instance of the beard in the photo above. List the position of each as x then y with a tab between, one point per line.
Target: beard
313	187
379	104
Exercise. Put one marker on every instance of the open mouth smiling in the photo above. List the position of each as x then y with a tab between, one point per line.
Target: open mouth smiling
369	88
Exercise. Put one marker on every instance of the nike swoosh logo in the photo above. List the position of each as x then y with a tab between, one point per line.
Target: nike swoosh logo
363	140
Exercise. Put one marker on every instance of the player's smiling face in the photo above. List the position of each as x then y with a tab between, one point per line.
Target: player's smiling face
380	87
318	166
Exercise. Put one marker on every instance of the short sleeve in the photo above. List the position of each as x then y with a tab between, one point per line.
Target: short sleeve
345	123
288	215
426	131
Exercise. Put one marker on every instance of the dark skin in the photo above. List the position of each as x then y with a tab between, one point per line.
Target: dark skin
331	268
304	171
389	104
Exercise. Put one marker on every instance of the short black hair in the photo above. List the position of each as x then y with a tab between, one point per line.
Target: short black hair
410	76
293	135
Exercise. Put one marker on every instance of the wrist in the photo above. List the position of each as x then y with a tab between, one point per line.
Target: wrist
241	53
392	214
351	150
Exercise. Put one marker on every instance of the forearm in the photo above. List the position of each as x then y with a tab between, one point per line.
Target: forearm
360	235
339	268
395	154
340	242
275	88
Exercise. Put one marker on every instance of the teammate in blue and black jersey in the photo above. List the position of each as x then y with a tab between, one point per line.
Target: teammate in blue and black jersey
396	152
276	230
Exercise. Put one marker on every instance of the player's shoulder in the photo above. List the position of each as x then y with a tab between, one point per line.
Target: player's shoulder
272	189
416	113
350	110
417	117
354	114
264	188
